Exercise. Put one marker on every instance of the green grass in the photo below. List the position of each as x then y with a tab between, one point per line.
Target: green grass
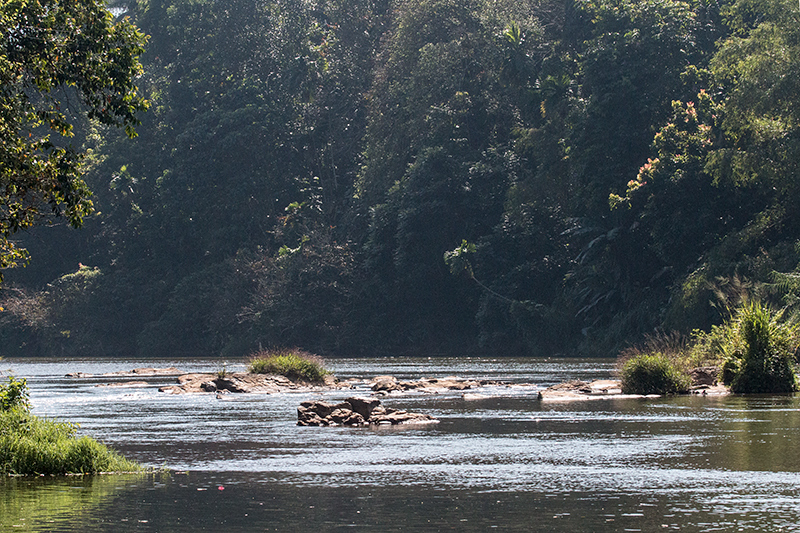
293	364
32	445
653	374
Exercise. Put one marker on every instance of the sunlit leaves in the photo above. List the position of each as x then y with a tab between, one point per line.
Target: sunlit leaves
457	260
57	60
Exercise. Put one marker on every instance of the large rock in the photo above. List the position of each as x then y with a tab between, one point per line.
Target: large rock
356	412
386	384
363	406
704	375
575	385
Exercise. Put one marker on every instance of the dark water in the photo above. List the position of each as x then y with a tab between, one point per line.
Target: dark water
499	459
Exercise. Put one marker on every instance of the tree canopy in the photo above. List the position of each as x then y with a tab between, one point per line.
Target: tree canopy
59	60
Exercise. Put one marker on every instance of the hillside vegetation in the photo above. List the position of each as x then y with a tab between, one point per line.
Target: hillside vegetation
592	171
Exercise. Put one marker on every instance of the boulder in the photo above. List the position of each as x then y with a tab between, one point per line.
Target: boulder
385	384
575	385
704	375
346	417
363	406
392	417
355	412
229	384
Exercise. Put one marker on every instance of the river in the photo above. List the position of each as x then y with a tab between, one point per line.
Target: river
499	459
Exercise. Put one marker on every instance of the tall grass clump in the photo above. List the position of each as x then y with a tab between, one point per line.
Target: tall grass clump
33	445
293	364
653	373
756	349
763	358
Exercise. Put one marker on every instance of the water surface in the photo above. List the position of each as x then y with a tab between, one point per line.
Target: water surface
499	458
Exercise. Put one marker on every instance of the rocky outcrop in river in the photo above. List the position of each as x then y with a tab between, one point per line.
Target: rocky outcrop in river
245	382
386	384
583	390
704	382
268	383
356	412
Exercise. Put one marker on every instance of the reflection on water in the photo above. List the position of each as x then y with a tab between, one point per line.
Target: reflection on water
500	458
58	504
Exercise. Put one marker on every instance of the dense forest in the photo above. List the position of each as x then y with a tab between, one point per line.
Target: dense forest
531	177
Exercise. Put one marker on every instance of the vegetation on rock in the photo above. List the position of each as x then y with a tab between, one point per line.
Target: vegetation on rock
755	350
653	373
293	364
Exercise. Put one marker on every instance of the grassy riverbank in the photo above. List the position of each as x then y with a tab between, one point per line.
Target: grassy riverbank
32	445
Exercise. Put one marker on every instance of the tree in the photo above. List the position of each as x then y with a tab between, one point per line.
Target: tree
60	62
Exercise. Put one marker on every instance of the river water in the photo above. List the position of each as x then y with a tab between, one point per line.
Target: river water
499	459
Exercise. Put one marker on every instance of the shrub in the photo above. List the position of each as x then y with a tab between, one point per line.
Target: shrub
653	374
763	358
729	370
14	394
755	348
715	347
294	364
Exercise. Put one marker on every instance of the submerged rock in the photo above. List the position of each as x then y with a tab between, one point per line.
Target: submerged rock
124	384
79	375
171	371
356	412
